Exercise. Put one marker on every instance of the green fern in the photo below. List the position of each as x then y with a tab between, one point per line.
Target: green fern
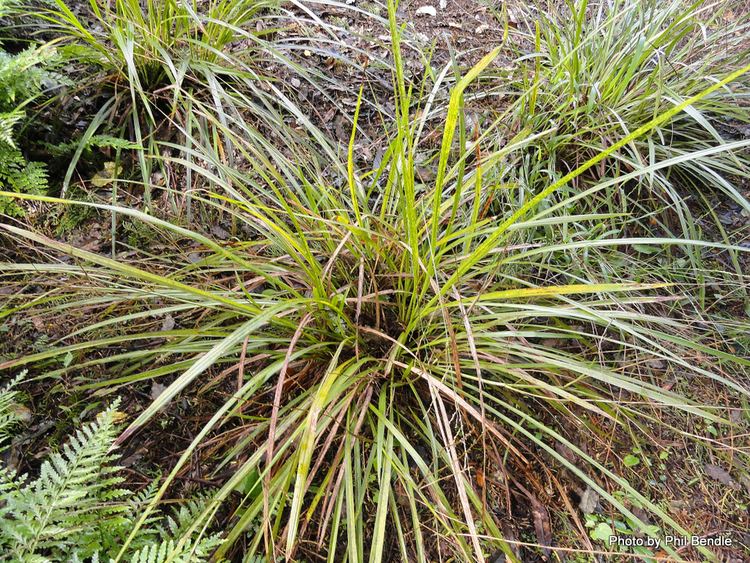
167	550
21	80
8	121
18	175
10	411
58	512
22	76
76	509
86	144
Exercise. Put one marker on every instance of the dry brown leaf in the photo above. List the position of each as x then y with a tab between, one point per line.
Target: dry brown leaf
719	474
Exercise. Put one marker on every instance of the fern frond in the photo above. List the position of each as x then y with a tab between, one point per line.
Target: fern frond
33	179
22	74
9	415
8	120
76	511
11	412
22	77
183	516
66	496
168	550
86	144
148	532
17	175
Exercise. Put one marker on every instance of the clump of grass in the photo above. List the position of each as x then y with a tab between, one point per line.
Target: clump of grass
171	70
146	45
603	69
386	337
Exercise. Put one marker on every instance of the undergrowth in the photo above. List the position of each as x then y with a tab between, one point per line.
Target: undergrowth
601	71
172	70
76	510
393	351
21	79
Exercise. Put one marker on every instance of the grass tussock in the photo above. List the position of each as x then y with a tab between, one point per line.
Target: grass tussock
601	72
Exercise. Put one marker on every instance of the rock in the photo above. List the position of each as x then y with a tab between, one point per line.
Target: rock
657	364
219	233
156	390
589	501
168	323
427	11
133	458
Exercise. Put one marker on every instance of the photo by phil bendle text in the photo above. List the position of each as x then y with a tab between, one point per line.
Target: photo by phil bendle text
672	541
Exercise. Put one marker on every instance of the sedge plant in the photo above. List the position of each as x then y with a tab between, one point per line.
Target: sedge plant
171	69
601	70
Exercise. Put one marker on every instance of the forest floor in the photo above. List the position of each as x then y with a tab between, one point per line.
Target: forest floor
697	491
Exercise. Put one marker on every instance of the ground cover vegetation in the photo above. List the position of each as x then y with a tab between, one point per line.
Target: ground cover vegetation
22	76
74	510
502	318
